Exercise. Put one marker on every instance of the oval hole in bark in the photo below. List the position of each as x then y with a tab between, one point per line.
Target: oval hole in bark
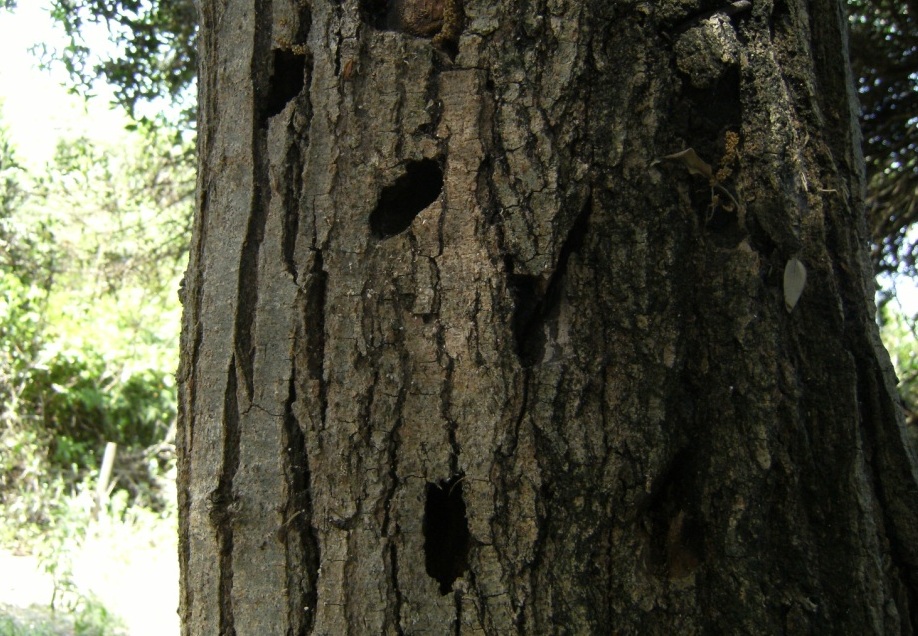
400	202
526	321
446	533
677	534
287	79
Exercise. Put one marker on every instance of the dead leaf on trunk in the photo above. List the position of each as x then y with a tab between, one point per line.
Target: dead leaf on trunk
693	163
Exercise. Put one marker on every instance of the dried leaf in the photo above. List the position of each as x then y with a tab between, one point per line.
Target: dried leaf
693	163
794	281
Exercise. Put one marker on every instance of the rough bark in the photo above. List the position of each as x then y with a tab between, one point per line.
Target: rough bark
464	352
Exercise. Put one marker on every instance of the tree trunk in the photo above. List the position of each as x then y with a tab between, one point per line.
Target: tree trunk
466	349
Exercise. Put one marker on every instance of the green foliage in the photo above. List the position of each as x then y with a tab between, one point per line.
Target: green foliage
900	335
20	330
82	405
151	64
90	256
125	212
10	190
88	322
884	52
153	55
25	248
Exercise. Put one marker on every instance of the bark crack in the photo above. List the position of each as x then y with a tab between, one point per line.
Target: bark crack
299	533
390	529
290	230
420	185
222	500
536	300
445	401
399	598
314	319
261	196
457	601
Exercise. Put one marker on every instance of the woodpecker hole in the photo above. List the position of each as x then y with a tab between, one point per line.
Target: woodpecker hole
287	80
526	321
374	12
446	533
400	202
677	534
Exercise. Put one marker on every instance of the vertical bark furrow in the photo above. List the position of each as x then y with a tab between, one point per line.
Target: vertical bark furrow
261	193
457	621
313	330
223	500
248	295
390	530
395	625
298	532
291	205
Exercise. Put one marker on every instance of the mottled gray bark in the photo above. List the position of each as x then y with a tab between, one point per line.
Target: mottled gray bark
465	353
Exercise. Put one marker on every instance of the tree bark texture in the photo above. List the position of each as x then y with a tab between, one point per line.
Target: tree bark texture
467	350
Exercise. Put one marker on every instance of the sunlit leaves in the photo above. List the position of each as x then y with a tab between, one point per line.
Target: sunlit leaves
124	211
153	57
899	336
90	254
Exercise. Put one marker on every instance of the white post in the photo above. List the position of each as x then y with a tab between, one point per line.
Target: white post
105	475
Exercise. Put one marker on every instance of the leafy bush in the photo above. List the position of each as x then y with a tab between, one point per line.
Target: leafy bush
900	335
64	391
82	404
